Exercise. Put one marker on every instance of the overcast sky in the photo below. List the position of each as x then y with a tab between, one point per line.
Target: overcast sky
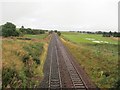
61	14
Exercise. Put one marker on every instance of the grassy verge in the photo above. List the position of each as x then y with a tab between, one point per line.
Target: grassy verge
22	62
99	60
40	36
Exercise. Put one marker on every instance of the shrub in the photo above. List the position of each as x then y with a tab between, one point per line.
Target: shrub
25	58
9	29
34	51
36	59
12	78
59	33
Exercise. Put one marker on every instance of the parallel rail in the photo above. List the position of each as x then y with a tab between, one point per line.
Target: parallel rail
54	73
77	81
74	75
54	76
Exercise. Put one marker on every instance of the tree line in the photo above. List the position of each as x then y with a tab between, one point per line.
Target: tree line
104	34
58	32
9	29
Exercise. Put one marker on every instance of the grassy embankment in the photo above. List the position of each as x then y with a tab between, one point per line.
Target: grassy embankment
23	61
96	54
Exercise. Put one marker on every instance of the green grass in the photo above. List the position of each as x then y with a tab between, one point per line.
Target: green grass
99	60
83	38
40	36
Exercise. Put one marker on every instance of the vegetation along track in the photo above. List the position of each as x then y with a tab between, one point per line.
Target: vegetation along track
60	71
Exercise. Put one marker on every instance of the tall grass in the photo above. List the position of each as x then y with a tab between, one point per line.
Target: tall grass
21	60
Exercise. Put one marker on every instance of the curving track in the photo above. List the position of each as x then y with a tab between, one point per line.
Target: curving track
61	70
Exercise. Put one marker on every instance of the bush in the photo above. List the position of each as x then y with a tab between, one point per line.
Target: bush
59	33
31	31
36	59
34	51
0	30
13	79
9	29
25	58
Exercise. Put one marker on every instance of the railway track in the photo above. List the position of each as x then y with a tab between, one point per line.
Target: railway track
75	77
54	76
57	77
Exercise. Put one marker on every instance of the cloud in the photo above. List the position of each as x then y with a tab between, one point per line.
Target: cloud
62	14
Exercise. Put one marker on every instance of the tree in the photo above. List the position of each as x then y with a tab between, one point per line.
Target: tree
105	34
55	31
9	29
22	29
1	30
59	33
50	32
110	33
29	31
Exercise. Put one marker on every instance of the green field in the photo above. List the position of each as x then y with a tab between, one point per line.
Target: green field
98	59
88	38
39	36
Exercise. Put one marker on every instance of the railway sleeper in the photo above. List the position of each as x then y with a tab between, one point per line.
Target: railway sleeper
77	81
75	77
54	85
72	71
55	78
80	89
74	74
70	67
54	82
77	86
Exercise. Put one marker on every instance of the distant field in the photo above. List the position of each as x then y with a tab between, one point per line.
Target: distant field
40	36
99	59
88	38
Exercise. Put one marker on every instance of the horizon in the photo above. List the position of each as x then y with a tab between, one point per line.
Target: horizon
66	30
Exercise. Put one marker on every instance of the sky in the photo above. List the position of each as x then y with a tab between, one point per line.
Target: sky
90	15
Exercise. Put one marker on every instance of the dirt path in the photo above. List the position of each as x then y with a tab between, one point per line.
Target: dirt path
61	70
